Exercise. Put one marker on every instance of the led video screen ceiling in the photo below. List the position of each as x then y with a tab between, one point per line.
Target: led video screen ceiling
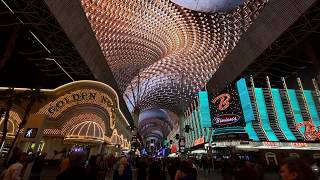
162	54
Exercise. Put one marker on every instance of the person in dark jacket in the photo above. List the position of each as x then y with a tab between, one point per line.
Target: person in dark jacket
92	168
76	169
38	164
123	170
155	171
185	172
296	169
142	169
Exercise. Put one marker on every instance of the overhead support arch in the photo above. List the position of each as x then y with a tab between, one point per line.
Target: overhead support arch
74	23
275	19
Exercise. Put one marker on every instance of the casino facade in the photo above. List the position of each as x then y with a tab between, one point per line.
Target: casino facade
79	115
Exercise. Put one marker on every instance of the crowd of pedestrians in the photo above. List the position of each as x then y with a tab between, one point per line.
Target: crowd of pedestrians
104	167
101	167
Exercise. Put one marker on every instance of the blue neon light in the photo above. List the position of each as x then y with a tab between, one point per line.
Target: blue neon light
196	114
194	127
204	112
246	108
190	124
312	107
227	130
264	115
208	134
295	108
281	115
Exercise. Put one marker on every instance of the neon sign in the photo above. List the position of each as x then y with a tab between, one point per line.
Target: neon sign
311	131
226	119
199	141
270	143
31	133
224	101
298	144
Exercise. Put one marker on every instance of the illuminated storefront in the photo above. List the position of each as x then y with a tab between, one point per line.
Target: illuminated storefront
76	115
273	114
268	120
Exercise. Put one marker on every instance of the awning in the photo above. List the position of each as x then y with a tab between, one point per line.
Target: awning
199	151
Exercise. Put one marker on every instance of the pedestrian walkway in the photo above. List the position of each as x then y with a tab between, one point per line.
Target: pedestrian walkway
50	173
209	176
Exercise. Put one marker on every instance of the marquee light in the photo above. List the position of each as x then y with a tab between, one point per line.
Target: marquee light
82	118
167	51
86	131
11	128
81	96
70	98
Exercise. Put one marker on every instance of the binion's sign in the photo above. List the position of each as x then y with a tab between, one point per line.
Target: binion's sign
224	101
226	119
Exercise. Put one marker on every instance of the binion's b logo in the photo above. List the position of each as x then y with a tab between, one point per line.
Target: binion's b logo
224	101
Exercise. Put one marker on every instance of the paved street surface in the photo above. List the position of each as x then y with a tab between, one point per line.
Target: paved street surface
50	174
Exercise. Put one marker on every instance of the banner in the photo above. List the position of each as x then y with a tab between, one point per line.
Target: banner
226	116
225	109
204	112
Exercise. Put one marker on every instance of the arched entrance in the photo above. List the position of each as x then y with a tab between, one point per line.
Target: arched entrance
82	113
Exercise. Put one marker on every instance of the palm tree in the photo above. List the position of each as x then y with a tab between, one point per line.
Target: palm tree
32	96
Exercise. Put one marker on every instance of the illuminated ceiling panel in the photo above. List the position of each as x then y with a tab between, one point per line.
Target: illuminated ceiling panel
209	5
160	53
156	119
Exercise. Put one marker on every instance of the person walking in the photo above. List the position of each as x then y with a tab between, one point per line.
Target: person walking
76	170
123	170
296	169
14	172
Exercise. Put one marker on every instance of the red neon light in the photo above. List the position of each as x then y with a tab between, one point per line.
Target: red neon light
199	141
224	101
299	144
268	143
312	132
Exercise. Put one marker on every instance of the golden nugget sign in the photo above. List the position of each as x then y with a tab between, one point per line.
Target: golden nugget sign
80	97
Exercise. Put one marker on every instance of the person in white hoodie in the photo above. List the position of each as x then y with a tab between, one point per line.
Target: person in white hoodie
14	171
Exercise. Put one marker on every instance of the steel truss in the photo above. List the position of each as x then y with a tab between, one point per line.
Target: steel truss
276	61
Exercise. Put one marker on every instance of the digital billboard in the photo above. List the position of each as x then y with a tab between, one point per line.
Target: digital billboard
225	109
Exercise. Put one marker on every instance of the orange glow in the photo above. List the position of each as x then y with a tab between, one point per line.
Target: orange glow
224	101
199	141
312	132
